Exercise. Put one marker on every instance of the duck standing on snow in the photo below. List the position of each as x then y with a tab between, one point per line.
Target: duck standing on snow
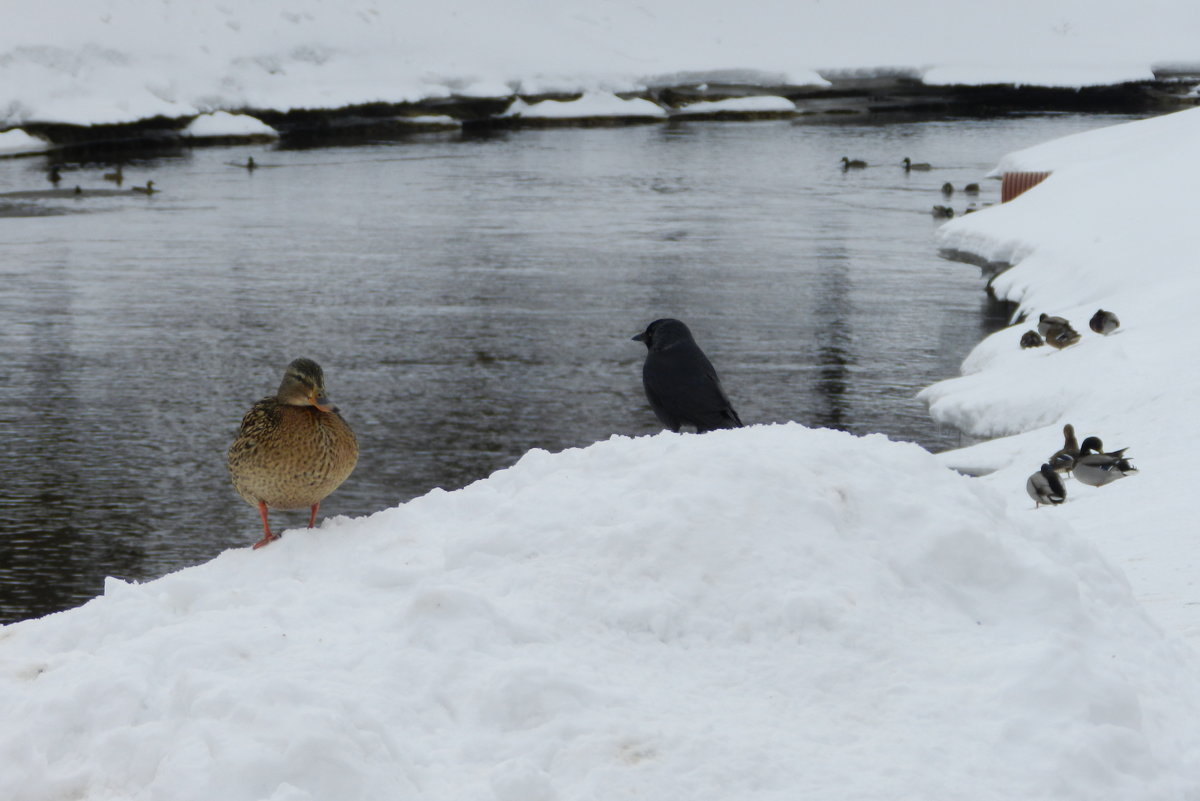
1032	339
1064	458
1104	322
909	166
1045	486
293	448
1096	468
680	382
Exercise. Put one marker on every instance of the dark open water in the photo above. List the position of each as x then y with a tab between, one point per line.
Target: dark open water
469	299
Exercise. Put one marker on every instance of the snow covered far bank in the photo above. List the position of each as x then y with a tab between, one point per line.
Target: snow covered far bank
113	61
744	614
1111	228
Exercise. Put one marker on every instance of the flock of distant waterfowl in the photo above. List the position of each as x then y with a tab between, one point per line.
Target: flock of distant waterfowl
939	211
117	176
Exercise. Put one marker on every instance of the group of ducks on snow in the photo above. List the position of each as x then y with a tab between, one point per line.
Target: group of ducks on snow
1088	463
1057	332
941	212
293	448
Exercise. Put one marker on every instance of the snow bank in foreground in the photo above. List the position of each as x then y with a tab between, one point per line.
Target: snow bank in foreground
1111	228
766	613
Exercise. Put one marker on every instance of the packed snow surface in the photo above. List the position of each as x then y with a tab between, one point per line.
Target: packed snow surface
1112	228
101	61
767	613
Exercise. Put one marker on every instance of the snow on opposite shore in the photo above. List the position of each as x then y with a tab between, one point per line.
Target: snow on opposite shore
106	61
768	613
1111	228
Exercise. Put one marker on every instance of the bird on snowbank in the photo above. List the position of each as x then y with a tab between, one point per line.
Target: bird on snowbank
680	382
1057	331
1032	339
1045	486
921	166
1104	322
1096	468
1064	458
852	164
293	448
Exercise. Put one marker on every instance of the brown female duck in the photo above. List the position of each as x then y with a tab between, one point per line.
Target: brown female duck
1064	458
293	448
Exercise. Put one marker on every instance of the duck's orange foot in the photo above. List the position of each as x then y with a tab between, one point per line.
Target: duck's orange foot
266	540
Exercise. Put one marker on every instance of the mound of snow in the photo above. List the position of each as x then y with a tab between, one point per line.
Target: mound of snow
762	104
590	104
761	613
222	123
16	141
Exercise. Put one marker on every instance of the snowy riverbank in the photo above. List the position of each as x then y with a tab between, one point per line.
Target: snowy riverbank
1109	229
765	613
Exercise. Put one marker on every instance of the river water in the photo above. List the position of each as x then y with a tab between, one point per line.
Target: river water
470	298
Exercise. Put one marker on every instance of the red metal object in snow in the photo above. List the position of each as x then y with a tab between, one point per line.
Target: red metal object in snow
1014	183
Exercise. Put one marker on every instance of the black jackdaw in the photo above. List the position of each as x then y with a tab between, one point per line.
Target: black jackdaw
680	381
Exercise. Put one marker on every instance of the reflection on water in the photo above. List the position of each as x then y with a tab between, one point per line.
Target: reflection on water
469	299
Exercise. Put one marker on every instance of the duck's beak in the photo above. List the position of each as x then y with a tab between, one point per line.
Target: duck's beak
319	400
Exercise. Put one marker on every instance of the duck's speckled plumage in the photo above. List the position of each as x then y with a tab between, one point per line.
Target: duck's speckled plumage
293	448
